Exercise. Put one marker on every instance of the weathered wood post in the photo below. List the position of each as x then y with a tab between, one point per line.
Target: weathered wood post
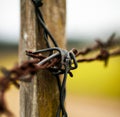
40	98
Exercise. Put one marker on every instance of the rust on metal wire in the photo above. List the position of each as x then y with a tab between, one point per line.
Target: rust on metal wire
112	41
51	62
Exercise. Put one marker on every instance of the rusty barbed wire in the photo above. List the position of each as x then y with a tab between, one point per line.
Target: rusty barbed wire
102	56
58	62
27	69
103	47
4	86
111	42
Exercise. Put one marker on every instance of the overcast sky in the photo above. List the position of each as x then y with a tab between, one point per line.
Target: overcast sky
85	18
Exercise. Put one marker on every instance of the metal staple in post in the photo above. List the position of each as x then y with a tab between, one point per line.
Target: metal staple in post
58	62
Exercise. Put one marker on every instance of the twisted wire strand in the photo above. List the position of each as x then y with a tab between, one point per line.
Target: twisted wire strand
26	70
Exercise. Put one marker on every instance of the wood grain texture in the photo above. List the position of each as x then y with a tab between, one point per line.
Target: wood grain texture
40	98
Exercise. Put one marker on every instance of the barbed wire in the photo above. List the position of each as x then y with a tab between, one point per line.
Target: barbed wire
27	69
111	42
58	62
106	50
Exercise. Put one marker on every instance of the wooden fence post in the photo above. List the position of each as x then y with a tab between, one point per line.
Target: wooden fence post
40	98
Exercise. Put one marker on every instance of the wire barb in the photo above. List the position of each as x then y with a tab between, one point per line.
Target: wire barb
58	62
64	66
